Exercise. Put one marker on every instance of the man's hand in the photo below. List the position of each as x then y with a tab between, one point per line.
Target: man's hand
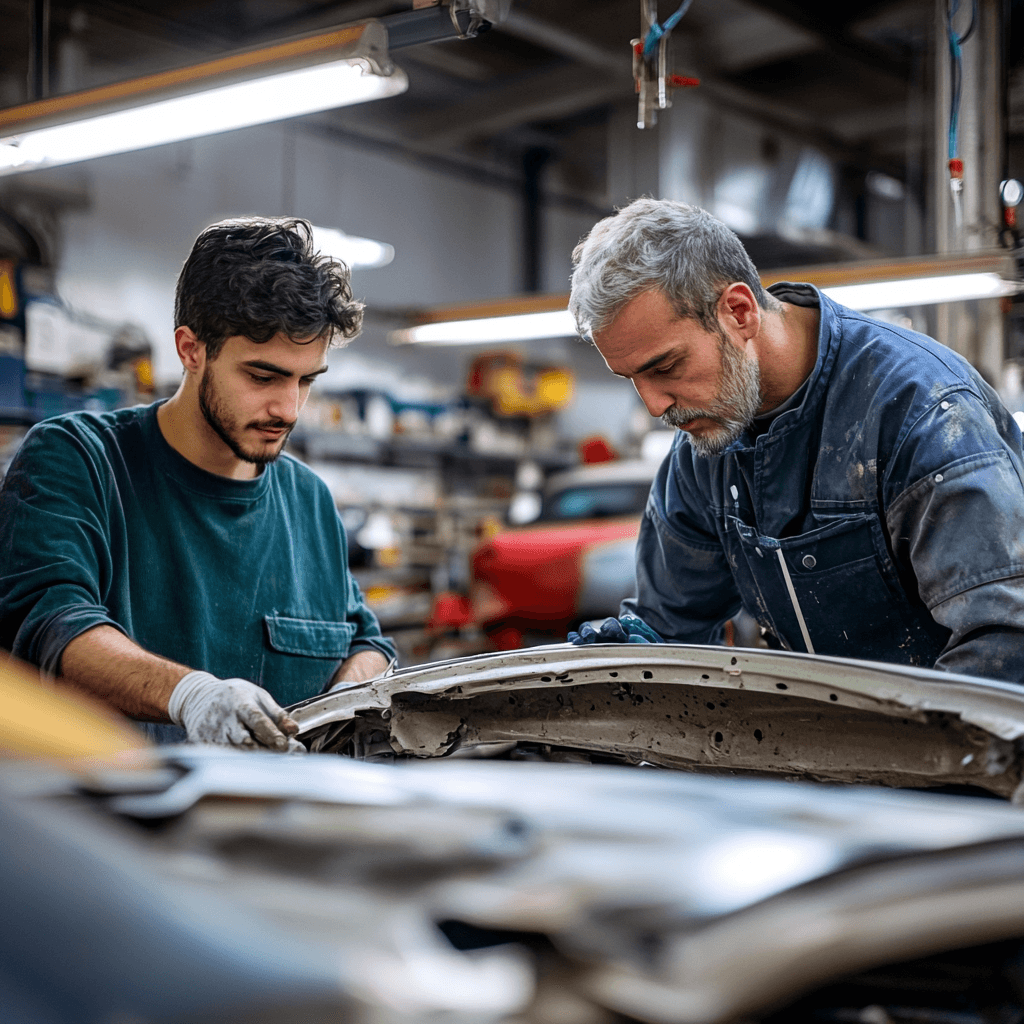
628	629
232	712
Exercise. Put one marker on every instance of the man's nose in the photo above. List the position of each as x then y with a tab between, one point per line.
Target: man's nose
656	400
286	404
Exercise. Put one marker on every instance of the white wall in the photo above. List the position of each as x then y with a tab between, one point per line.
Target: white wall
455	240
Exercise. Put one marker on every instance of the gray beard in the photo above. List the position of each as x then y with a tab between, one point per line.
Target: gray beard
733	410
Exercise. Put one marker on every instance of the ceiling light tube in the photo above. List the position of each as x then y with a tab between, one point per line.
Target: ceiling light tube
921	291
522	327
333	69
893	294
351	250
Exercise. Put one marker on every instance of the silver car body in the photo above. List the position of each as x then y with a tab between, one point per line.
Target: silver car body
663	896
708	709
436	886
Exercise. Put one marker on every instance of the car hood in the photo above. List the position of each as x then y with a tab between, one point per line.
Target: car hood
723	710
660	895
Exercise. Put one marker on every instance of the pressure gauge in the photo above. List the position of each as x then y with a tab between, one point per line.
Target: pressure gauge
1011	192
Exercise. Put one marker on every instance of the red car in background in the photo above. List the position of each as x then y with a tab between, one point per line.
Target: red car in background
575	562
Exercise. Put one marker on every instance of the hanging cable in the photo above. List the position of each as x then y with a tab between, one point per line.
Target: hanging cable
955	164
657	31
974	19
956	77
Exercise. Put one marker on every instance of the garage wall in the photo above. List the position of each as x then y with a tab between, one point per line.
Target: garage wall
454	240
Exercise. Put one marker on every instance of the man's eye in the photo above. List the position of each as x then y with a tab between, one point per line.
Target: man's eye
664	371
259	379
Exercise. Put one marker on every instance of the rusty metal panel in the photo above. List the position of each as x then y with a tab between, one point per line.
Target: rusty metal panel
695	708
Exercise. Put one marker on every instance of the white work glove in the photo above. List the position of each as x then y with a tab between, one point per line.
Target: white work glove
233	712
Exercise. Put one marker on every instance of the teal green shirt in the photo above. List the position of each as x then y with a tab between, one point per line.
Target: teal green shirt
102	522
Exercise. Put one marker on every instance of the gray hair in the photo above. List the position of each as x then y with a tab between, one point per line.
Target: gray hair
683	251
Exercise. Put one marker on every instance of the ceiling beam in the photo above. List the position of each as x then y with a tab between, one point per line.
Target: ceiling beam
165	27
540	97
549	36
571	90
800	124
377	136
838	39
321	15
872	121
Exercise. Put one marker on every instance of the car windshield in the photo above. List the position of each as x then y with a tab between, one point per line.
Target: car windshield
596	501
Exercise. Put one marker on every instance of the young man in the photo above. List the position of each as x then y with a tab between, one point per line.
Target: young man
168	559
856	486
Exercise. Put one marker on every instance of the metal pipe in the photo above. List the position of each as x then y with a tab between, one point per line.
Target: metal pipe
427	25
534	160
553	37
39	50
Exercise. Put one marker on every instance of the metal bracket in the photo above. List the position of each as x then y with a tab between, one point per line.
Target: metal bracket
457	19
481	13
654	82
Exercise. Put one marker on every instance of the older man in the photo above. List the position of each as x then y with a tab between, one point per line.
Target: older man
166	559
856	486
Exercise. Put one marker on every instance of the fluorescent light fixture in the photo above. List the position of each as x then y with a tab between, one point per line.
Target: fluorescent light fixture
356	252
894	294
522	327
333	69
921	291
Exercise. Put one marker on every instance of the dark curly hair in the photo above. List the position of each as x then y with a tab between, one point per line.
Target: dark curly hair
260	276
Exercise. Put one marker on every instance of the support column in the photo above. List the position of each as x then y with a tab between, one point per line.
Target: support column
979	337
39	50
534	161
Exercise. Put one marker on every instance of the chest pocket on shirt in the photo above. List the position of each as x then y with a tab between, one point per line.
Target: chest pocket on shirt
300	655
846	588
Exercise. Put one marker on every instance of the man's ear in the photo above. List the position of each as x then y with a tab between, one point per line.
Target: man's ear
738	308
191	351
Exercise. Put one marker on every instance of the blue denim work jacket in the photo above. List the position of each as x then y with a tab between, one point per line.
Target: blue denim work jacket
882	518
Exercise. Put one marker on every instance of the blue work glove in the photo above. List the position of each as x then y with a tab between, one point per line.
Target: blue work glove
627	629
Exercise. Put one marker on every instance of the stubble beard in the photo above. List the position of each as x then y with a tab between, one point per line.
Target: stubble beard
225	428
739	397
